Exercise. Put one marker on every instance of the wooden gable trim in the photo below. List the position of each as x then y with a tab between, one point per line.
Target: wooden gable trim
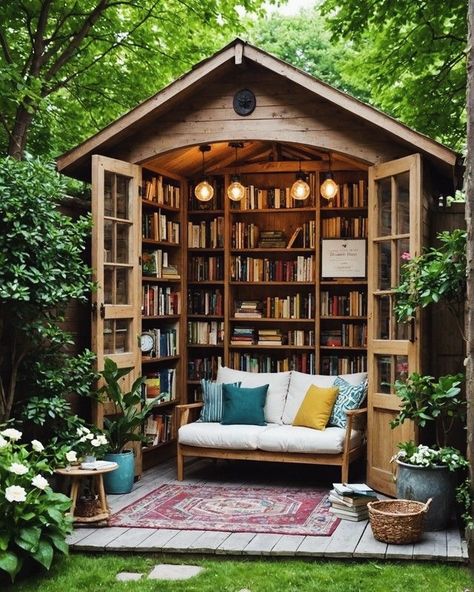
150	106
366	112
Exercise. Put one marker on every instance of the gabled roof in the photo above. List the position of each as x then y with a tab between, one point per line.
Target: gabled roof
237	52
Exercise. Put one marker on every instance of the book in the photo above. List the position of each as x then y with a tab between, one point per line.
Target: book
353	489
293	237
349	516
349	501
356	510
97	465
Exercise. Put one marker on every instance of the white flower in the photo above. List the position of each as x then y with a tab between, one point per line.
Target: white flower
71	456
40	482
11	433
89	436
96	442
15	493
18	468
3	442
82	430
37	446
102	439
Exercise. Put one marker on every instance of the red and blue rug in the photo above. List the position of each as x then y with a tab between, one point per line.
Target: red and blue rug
232	509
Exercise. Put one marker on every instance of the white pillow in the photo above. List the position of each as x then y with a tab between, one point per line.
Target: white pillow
277	388
300	383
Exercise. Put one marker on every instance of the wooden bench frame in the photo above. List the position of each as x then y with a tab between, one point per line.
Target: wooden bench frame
356	419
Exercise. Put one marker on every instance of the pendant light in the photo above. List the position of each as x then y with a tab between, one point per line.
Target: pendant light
329	187
204	191
235	191
300	190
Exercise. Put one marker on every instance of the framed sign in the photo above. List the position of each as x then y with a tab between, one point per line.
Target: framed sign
343	258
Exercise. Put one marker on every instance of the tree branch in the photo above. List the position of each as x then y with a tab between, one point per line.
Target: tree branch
38	41
5	47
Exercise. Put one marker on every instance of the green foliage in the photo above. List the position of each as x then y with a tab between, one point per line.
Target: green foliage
424	400
41	270
412	57
98	60
34	522
132	412
424	456
438	275
81	572
465	498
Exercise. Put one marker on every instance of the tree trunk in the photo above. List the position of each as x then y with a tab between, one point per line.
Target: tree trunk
470	257
17	144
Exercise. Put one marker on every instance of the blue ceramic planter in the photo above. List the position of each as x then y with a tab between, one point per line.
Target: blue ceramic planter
120	480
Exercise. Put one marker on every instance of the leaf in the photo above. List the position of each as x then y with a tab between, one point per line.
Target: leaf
59	543
4	540
28	538
10	563
44	554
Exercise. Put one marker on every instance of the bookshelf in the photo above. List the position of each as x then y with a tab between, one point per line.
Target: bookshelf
162	306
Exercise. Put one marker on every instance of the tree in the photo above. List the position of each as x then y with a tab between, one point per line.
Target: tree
41	269
411	55
68	68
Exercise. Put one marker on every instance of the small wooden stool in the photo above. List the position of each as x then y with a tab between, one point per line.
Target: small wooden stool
76	475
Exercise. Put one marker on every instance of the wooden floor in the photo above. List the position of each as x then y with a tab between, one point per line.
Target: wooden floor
350	540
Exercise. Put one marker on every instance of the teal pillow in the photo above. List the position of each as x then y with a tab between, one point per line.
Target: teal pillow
244	405
350	397
212	399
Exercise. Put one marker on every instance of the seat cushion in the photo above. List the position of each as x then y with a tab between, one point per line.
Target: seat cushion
216	435
285	438
244	405
277	388
315	410
299	384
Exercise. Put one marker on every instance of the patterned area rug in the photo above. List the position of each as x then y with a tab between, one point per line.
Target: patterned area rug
233	509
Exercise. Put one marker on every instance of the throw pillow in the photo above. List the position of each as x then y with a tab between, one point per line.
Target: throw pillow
212	399
350	397
316	407
244	405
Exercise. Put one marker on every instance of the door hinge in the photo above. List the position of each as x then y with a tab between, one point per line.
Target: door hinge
102	310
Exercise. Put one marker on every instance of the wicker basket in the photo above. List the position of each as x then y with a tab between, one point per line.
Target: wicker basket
87	507
398	521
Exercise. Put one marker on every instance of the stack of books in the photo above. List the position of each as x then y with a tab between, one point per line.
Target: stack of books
242	336
349	500
248	309
269	337
271	239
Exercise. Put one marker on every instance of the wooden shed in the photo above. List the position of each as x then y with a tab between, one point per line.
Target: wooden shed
270	282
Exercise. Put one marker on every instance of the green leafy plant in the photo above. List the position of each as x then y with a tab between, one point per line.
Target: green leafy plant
131	411
34	520
465	499
425	456
438	275
425	399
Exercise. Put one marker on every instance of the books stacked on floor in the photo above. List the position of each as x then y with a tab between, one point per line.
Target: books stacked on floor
269	337
271	239
242	336
248	309
349	500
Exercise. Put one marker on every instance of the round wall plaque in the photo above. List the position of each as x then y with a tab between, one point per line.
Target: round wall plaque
244	102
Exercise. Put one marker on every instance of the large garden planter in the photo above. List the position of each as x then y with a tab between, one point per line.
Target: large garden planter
420	484
120	480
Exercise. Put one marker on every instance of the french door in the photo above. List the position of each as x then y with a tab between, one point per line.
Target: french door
395	210
116	216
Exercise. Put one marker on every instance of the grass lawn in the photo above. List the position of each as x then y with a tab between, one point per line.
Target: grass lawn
91	573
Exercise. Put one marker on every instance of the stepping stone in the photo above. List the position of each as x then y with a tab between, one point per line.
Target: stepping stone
166	571
126	576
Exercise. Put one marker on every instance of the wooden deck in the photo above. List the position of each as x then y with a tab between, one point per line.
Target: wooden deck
352	540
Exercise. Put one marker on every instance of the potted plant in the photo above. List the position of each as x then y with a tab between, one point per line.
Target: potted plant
124	427
438	275
428	471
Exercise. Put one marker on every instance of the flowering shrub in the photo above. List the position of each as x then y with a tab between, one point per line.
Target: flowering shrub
34	520
424	456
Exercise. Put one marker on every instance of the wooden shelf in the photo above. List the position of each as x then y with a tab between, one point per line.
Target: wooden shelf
147	449
164	404
205	249
274	211
352	348
205	345
276	346
149	360
156	206
154	279
290	284
205	316
207	282
162	318
155	243
274	250
343	282
205	212
342	318
362	210
269	320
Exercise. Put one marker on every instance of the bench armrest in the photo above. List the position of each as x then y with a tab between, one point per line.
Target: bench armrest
356	420
184	412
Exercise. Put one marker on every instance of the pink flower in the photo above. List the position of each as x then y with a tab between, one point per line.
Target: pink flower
406	256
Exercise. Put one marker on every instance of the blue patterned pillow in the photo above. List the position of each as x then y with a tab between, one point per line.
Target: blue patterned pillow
213	401
350	397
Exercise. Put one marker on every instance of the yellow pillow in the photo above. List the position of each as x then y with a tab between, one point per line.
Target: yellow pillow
315	410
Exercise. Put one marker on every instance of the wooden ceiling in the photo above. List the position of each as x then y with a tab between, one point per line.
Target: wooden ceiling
253	155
